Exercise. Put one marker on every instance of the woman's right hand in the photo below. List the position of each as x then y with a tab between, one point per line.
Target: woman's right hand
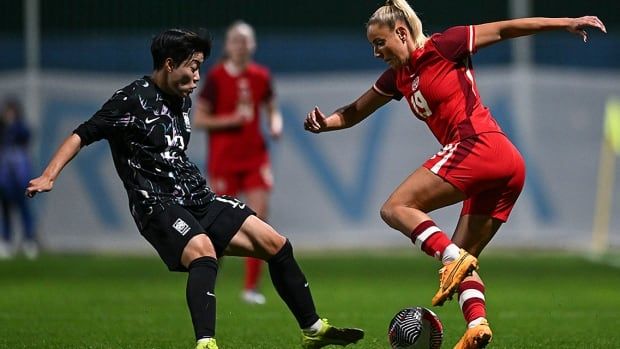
579	25
39	185
315	121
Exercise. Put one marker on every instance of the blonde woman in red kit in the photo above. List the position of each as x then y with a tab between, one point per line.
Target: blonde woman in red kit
477	165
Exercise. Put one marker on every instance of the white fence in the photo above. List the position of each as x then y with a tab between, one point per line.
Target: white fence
329	187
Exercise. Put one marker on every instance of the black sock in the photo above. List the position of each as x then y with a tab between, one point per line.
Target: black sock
200	295
290	282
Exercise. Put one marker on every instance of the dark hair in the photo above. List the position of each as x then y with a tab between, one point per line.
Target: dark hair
179	45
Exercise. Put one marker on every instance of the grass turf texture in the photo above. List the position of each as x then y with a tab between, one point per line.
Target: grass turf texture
535	300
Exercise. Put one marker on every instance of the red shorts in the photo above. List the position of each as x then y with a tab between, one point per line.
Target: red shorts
488	168
234	183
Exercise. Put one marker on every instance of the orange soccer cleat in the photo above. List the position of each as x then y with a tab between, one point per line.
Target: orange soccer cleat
451	275
476	337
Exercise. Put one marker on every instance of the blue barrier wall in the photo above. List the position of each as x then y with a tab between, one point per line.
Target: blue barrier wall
329	187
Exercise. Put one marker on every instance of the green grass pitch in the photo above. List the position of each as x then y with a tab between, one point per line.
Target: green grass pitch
534	300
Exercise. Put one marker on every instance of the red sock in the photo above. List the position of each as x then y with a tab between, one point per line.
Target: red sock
253	267
430	238
471	300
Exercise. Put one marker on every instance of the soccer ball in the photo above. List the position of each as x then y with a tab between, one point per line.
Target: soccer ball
415	328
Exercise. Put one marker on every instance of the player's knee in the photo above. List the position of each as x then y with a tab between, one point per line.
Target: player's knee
204	262
198	246
388	212
277	244
285	252
270	242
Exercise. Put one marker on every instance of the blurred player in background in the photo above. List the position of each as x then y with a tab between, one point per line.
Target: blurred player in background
15	171
229	108
477	165
147	126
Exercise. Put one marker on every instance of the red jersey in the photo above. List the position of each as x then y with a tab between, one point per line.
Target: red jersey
241	148
438	83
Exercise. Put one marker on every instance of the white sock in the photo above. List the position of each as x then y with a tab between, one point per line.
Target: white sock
316	327
450	254
207	339
475	322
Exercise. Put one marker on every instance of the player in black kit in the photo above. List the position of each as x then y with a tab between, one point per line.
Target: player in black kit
147	126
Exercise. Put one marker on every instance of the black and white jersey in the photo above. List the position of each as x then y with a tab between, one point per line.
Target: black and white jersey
148	132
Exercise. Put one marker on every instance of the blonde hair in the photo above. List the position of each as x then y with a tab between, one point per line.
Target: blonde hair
244	29
395	10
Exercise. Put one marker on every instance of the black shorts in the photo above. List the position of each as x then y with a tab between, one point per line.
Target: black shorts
170	230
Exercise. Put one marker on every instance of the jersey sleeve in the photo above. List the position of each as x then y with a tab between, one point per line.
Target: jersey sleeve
386	85
455	43
113	116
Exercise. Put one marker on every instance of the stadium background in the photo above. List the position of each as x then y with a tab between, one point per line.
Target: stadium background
548	92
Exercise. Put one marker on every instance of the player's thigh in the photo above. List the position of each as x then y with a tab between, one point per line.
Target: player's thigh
169	231
257	239
222	218
425	191
473	232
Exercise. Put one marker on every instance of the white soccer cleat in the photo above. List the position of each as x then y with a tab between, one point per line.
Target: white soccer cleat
253	297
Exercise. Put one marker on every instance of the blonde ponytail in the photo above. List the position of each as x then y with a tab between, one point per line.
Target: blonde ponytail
395	10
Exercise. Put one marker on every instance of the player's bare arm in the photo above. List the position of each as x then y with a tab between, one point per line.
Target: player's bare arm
204	118
345	116
490	33
274	118
67	151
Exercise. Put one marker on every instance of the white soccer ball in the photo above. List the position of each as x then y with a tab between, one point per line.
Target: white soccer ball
415	328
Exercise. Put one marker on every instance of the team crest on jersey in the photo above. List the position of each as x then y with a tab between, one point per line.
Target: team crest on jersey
188	126
416	83
181	226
